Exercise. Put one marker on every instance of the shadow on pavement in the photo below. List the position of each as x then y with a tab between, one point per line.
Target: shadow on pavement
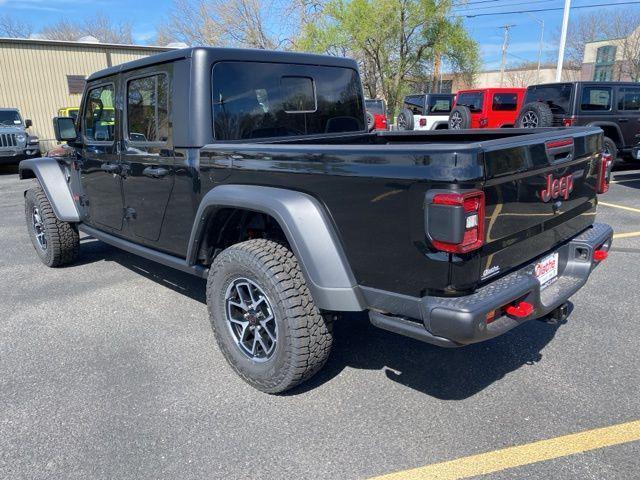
447	374
8	169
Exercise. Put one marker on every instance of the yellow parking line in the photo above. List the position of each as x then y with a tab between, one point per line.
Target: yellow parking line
511	457
626	235
631	209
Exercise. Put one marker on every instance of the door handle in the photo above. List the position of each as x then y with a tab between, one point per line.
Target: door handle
155	172
111	168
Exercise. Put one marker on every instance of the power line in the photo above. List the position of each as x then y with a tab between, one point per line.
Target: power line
545	9
508	5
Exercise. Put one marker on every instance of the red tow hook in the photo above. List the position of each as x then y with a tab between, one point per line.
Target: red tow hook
600	255
519	310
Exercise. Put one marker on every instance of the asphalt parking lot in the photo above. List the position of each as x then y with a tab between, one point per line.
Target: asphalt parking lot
108	369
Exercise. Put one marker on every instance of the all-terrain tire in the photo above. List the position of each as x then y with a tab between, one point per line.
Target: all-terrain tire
460	118
61	239
534	115
303	336
404	120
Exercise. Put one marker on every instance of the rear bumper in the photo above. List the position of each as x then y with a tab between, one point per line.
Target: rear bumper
458	321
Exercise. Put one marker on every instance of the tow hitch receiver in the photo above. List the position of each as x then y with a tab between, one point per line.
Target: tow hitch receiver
559	315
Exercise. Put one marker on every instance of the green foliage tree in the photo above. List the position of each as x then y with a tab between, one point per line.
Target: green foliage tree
395	42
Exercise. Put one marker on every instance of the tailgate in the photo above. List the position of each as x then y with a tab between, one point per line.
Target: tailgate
538	195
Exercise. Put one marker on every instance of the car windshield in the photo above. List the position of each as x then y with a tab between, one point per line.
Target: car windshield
10	117
558	97
375	106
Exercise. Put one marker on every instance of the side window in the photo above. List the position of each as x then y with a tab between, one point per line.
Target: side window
505	102
440	105
100	115
148	109
629	99
596	99
415	103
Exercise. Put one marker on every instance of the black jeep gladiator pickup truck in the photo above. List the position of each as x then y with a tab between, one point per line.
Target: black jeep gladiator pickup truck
255	171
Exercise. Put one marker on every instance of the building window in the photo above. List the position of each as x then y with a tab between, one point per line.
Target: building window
605	60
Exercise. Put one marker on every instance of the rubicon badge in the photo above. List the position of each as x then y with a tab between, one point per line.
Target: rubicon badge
557	187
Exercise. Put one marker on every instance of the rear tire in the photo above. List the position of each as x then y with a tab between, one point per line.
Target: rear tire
534	115
57	243
404	121
264	318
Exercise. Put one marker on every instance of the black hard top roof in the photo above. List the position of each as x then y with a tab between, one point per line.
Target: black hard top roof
587	82
211	54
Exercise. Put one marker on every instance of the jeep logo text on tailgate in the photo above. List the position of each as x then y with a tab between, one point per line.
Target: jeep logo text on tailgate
557	187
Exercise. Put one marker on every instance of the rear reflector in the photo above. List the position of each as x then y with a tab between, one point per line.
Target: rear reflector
423	122
565	142
604	173
456	221
600	255
519	309
568	122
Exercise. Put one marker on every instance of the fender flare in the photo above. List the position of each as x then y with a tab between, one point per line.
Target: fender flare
308	230
613	125
54	183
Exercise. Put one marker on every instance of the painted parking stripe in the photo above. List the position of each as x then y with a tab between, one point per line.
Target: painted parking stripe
622	207
626	235
518	456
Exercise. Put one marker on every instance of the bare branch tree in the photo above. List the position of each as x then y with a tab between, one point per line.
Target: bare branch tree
267	24
522	75
100	27
13	28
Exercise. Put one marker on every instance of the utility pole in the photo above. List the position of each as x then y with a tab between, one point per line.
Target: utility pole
505	44
563	39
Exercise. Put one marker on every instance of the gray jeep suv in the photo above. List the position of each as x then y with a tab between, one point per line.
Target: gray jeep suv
15	142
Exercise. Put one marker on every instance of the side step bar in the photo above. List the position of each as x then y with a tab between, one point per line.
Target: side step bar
148	253
408	328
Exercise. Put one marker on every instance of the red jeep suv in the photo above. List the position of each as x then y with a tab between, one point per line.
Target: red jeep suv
486	108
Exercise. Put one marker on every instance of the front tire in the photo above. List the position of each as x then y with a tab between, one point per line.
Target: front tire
57	243
264	318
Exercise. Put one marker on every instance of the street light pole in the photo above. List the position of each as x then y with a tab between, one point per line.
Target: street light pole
563	39
505	44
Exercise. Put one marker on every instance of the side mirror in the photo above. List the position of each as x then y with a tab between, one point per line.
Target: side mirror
28	123
65	129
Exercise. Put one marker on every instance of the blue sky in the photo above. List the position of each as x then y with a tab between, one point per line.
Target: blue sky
145	15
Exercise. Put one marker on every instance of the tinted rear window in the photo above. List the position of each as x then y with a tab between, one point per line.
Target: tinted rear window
375	106
558	97
471	100
505	102
259	100
415	103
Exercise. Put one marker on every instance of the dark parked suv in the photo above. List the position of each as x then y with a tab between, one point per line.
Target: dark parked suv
612	106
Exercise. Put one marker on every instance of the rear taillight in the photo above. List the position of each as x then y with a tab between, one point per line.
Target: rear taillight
604	173
483	122
423	122
568	122
455	221
600	255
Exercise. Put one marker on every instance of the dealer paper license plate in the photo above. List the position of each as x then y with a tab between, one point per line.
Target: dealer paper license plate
546	270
